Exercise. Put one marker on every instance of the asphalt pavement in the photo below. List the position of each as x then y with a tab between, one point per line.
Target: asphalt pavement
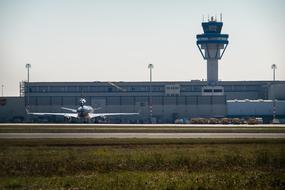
139	135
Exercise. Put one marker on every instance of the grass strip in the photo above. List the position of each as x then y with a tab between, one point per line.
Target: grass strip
129	141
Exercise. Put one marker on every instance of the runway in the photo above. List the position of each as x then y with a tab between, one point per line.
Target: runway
139	135
84	125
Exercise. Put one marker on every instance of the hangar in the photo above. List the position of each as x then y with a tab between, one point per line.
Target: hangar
166	101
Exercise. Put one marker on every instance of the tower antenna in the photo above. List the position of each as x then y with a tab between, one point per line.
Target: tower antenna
221	17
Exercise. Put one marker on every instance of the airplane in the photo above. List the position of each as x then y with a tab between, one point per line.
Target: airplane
83	112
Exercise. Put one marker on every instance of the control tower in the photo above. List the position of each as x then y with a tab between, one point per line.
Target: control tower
212	45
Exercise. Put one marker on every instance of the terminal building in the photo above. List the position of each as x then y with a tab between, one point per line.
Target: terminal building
169	100
157	102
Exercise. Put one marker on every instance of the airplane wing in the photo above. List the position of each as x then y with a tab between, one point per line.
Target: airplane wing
93	115
74	115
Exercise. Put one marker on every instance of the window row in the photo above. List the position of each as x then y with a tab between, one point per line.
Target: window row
84	89
104	89
127	100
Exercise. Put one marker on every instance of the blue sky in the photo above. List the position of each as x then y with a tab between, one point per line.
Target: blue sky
108	40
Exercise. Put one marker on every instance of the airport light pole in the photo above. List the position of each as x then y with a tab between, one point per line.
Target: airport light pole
274	67
28	66
150	66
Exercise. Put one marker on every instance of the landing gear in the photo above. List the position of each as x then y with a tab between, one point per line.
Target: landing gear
100	120
67	119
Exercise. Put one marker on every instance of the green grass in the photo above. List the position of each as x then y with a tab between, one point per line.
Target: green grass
142	164
150	180
49	161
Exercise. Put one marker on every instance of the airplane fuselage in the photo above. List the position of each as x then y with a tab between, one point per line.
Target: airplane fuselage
83	111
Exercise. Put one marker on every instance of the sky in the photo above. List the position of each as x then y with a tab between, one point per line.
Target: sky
115	40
